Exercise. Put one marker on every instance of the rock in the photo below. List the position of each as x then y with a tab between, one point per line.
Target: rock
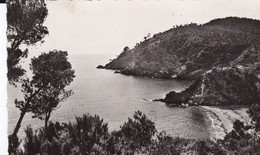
177	98
100	67
182	97
158	100
221	86
229	85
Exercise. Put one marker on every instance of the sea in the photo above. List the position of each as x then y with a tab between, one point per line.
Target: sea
115	98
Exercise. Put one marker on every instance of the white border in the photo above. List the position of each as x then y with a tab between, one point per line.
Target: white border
3	83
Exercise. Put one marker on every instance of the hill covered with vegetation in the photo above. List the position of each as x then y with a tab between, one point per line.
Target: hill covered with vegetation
223	55
190	50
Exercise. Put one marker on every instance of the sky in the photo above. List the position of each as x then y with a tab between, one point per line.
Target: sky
106	26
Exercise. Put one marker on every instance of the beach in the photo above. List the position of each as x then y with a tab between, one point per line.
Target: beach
222	118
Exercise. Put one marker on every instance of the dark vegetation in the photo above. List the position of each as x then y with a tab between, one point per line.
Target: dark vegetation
42	94
221	56
24	27
89	135
51	72
188	51
221	86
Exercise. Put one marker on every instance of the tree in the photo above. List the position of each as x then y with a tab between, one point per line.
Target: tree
80	137
147	37
24	26
48	100
244	139
254	113
51	74
89	135
126	49
85	133
138	132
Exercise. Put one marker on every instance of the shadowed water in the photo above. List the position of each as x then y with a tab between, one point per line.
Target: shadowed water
115	97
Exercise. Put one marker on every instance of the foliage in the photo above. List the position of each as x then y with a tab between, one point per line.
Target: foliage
147	37
44	140
84	136
126	49
89	135
54	70
13	143
243	139
88	132
14	70
51	74
254	113
138	132
164	144
238	141
25	22
190	50
24	26
51	71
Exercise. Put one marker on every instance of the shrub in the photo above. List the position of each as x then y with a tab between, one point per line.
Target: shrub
89	135
138	132
81	137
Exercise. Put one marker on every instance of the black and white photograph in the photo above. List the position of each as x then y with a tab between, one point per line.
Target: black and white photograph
132	77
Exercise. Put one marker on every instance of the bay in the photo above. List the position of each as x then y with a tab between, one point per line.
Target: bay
115	97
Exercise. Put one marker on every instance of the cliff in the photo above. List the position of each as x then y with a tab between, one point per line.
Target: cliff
222	86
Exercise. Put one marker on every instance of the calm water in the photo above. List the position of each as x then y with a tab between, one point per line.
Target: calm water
115	97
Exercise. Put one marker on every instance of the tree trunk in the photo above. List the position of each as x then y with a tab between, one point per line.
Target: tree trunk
23	112
48	115
18	124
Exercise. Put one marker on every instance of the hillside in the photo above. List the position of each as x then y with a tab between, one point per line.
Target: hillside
188	51
222	56
221	86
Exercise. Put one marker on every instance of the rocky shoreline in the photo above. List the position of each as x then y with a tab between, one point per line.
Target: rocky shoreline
220	86
222	57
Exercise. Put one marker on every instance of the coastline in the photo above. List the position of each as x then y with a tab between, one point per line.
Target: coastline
222	119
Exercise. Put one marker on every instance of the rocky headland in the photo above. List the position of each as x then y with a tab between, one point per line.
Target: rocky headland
221	86
222	57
